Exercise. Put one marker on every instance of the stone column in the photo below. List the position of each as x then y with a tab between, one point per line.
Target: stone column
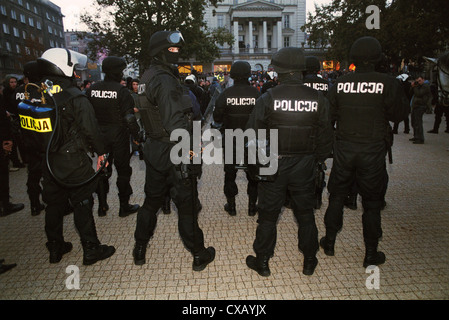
279	35
236	37
250	35
264	38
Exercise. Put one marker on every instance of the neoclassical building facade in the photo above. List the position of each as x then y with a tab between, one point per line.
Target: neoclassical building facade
260	28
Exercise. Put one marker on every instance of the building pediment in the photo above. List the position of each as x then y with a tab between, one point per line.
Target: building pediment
256	9
257	5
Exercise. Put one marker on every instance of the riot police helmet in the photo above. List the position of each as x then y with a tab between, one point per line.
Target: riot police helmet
366	49
162	40
289	59
190	79
240	70
60	62
113	64
312	64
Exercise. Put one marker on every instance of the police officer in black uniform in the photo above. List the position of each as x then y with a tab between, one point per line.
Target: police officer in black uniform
301	116
362	103
166	106
67	177
232	110
33	154
114	109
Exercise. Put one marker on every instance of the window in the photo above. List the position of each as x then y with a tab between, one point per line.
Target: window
20	2
5	28
22	18
286	42
27	50
52	43
255	41
3	10
49	29
220	21
24	34
31	22
286	21
47	15
13	14
17	48
73	37
8	46
38	25
16	32
28	6
35	10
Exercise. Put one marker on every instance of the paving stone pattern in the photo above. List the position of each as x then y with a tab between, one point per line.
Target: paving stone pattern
415	241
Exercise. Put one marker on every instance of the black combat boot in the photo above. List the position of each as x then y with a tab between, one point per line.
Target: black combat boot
94	252
58	249
126	209
372	256
166	208
310	264
6	267
202	259
327	245
7	208
259	264
139	252
230	206
252	208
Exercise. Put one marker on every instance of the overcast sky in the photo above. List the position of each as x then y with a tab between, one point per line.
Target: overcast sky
72	9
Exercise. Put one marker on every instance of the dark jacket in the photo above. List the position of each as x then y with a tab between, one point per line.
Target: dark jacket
364	102
264	113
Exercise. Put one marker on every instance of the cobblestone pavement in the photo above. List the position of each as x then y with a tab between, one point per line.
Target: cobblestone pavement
415	241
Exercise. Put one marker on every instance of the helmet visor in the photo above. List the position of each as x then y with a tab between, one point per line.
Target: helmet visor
79	60
175	37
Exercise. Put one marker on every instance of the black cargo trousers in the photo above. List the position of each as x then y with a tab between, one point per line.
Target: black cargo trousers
116	140
365	161
71	168
162	177
296	175
230	188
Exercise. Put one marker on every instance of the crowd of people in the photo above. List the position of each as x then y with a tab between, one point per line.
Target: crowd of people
107	117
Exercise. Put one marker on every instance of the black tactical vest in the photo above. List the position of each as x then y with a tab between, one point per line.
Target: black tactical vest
361	110
294	113
240	101
104	98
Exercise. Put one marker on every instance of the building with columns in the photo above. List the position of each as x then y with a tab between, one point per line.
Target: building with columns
260	28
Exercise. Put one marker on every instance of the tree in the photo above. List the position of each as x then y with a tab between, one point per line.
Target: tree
129	24
409	29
